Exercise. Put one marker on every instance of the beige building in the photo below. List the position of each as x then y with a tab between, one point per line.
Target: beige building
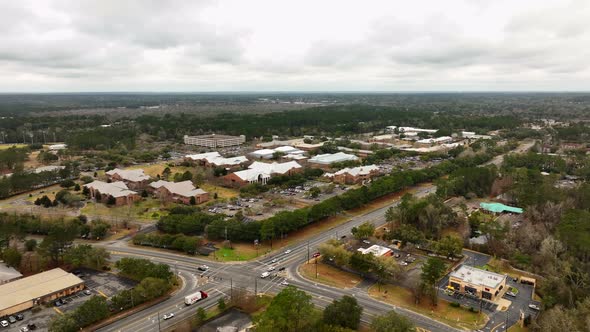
40	288
8	274
180	192
214	141
483	284
133	178
118	190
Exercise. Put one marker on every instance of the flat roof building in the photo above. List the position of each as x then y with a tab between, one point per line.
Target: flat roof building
259	172
331	158
477	282
8	274
214	159
40	288
214	141
376	250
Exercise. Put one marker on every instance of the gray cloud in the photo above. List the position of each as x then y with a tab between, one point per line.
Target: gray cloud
188	45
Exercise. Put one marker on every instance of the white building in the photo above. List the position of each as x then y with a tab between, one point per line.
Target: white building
8	274
259	172
376	250
269	153
331	158
216	160
436	140
55	147
48	169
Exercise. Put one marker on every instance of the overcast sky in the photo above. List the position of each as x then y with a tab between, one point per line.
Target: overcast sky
294	45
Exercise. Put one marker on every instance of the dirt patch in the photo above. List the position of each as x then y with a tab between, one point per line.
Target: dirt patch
329	275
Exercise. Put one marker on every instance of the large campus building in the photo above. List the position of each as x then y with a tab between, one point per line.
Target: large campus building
25	293
259	172
214	141
481	283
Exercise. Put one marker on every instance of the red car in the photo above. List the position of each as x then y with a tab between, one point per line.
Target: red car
317	254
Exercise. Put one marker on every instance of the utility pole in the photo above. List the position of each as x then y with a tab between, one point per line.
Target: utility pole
226	233
307	252
255	286
231	289
316	267
159	328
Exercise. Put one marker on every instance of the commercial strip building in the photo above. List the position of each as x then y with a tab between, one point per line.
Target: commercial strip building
376	250
25	293
179	191
354	175
327	159
477	282
118	190
214	159
134	178
259	172
8	274
214	141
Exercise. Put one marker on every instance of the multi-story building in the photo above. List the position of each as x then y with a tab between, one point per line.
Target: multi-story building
214	141
259	172
354	175
102	191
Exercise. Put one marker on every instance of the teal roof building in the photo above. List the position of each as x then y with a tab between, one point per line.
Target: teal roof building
499	208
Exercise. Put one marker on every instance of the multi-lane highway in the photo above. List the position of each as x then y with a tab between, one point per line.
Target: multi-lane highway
221	277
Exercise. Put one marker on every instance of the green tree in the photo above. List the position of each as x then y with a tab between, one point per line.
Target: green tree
449	246
314	192
362	263
91	311
12	257
290	310
364	231
345	312
31	244
432	270
65	323
201	316
392	322
221	304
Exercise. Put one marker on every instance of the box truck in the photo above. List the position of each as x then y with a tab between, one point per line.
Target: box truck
192	298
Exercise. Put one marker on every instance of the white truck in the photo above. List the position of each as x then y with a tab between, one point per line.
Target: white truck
192	298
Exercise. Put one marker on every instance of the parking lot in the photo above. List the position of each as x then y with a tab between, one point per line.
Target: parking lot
97	283
499	316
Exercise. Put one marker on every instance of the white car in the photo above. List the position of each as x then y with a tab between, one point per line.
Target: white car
403	263
272	268
24	329
168	316
274	260
285	283
288	251
4	323
534	307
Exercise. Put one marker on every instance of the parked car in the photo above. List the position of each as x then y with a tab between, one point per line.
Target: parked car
282	268
20	317
24	329
511	294
534	307
32	326
12	319
57	303
168	316
366	242
4	323
87	292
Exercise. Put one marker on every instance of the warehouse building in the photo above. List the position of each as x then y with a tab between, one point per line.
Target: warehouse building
477	282
214	159
327	159
23	294
214	141
259	172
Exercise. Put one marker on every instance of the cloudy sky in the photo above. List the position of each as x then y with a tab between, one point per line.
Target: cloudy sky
294	45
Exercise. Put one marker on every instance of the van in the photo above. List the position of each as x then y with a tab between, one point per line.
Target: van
264	275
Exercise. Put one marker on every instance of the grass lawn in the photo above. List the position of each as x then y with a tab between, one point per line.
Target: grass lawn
8	146
240	252
517	328
329	275
443	312
222	193
146	209
151	170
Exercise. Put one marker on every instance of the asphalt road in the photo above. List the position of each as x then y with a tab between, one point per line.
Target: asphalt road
221	277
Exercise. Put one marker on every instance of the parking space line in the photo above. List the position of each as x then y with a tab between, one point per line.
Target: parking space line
58	311
102	294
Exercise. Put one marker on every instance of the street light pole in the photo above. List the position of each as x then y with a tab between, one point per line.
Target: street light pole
159	328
